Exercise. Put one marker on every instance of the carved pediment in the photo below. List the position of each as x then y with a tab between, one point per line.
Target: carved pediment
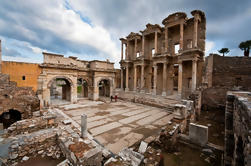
133	35
150	28
174	17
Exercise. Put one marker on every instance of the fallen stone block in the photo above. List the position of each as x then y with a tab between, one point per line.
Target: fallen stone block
66	122
129	155
198	134
143	147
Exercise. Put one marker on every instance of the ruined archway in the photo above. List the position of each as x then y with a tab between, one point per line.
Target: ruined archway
104	88
82	88
60	89
10	117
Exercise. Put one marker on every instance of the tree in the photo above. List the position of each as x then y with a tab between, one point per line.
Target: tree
245	46
224	51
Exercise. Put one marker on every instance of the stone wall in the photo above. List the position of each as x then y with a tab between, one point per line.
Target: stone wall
237	129
31	125
20	99
221	74
41	142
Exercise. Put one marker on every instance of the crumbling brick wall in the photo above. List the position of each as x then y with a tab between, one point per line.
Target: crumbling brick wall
22	99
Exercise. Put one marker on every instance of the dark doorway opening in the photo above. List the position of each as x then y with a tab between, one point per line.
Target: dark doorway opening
8	118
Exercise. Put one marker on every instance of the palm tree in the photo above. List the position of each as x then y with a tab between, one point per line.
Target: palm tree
224	51
245	46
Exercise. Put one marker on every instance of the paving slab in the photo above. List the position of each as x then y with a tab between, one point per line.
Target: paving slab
104	128
137	117
164	121
126	141
152	118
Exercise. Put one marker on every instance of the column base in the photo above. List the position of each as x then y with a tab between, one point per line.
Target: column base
126	89
153	92
163	93
169	92
142	91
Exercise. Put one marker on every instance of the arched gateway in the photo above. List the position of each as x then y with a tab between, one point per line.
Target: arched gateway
67	79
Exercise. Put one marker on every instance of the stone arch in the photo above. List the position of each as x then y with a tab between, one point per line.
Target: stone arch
104	87
64	77
10	117
63	92
83	87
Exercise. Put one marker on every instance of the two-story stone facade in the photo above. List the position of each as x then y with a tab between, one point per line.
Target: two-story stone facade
153	56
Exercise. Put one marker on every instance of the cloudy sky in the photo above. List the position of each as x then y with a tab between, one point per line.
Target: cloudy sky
90	29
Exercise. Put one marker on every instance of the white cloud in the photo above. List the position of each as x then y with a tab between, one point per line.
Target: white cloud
56	22
209	47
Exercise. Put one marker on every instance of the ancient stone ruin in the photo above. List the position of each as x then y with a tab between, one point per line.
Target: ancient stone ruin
168	104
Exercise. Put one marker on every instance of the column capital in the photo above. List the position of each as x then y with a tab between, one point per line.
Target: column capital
155	65
195	59
180	62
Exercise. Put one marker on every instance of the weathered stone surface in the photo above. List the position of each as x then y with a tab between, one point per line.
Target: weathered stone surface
198	134
238	129
31	125
142	147
129	155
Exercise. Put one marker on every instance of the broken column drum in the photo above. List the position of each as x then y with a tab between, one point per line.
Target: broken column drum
83	126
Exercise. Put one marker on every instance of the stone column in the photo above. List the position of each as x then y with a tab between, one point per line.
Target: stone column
122	78
122	49
169	82
181	35
126	51
127	73
164	80
83	126
194	75
142	81
180	79
166	39
156	42
135	78
135	49
143	45
154	79
195	32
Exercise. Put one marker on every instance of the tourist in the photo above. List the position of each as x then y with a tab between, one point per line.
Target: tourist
116	97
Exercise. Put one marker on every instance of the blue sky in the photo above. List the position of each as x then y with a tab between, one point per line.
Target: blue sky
90	29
